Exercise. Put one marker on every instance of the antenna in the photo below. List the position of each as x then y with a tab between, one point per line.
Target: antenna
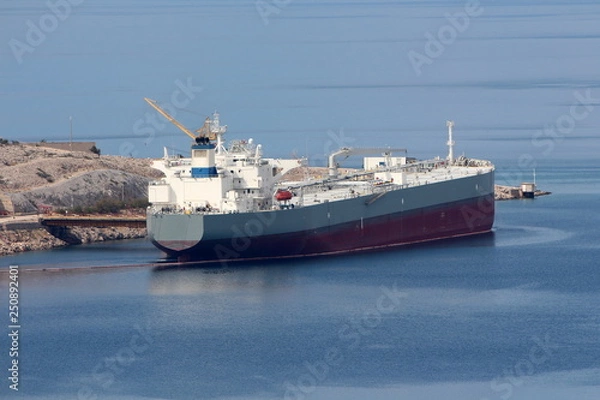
450	125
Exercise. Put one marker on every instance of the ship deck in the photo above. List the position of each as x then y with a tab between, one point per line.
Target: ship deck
364	184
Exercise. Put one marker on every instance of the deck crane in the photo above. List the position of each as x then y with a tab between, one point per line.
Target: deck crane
349	151
211	128
165	114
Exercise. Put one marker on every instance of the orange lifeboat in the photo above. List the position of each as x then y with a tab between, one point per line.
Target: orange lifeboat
282	195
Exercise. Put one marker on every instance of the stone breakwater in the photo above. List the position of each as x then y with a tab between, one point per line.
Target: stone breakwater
32	236
502	192
19	240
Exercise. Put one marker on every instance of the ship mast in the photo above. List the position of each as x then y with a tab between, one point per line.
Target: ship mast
450	125
218	130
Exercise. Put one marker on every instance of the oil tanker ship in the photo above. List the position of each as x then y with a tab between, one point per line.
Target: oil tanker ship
228	203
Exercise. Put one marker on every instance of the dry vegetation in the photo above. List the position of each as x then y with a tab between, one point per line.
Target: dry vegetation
32	176
24	167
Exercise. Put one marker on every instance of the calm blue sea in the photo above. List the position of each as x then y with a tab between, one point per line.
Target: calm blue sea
511	315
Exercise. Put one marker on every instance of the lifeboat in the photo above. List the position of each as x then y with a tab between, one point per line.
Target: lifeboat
282	195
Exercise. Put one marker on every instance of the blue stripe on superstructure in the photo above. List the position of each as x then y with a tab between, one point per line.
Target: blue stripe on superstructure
206	146
204	172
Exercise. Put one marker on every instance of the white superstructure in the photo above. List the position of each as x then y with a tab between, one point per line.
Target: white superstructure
226	178
218	178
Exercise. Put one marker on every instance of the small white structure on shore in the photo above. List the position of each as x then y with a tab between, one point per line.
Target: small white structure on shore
528	190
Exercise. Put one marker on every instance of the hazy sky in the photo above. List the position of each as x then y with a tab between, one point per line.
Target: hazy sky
305	77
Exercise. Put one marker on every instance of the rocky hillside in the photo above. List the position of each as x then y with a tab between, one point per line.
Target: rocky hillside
32	175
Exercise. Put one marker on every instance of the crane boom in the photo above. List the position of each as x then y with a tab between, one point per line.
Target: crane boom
169	117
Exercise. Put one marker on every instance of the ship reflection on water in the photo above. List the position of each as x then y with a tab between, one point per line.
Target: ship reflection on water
203	278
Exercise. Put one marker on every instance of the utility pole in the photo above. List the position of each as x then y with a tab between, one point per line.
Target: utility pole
71	134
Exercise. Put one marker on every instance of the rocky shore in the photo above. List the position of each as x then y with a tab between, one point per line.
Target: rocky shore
37	179
19	240
35	237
